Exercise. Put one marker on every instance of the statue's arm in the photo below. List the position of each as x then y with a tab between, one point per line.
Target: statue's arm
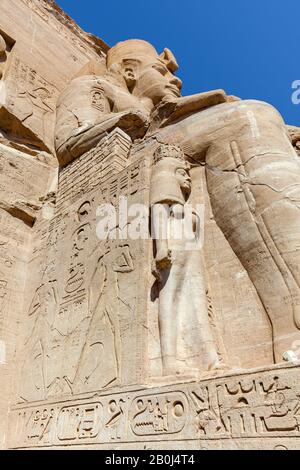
191	104
85	137
171	109
163	256
159	232
86	111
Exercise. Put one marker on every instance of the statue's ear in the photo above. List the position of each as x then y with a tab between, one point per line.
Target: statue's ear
129	72
168	58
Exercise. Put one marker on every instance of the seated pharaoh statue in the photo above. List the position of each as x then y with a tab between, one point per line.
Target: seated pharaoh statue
252	170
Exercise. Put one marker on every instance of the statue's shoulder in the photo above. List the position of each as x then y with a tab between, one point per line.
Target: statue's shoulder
85	85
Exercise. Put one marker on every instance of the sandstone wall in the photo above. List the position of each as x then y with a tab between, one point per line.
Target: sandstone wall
80	352
42	49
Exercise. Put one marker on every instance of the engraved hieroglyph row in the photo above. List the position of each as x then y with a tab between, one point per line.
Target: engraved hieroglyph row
24	181
259	404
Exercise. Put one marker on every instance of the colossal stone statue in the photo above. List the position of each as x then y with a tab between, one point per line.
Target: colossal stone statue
149	250
252	170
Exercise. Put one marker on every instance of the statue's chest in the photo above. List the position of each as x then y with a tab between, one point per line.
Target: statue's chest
125	101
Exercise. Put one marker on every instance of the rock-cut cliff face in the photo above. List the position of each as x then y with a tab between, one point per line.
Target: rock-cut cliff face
112	339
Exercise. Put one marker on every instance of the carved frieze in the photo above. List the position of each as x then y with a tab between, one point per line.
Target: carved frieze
243	407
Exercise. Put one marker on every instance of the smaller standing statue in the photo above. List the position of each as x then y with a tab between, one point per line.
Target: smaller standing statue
187	344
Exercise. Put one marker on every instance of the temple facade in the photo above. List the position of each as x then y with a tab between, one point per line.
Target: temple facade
149	282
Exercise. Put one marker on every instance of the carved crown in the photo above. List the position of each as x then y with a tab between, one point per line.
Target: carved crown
168	151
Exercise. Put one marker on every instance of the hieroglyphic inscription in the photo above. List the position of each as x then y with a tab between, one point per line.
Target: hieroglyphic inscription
244	407
81	421
117	419
159	414
266	406
35	97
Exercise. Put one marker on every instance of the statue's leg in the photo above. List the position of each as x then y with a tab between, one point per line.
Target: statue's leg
167	319
187	343
253	178
196	346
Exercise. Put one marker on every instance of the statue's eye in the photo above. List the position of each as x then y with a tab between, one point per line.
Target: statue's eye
161	68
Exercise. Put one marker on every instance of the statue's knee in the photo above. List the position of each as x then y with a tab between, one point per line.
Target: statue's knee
261	111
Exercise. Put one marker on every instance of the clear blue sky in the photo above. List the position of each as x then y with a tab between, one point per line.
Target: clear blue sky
249	48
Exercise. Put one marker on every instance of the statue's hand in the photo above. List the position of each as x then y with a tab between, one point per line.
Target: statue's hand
171	108
207	99
155	271
163	258
134	120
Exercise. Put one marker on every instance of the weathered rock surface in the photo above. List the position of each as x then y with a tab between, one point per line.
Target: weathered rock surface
110	338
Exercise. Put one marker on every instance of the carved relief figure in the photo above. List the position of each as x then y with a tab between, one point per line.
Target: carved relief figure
4	302
72	319
33	98
252	170
38	103
186	339
207	421
101	360
37	346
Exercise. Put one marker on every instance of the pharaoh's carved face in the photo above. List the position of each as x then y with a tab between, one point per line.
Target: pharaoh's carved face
155	82
147	75
184	180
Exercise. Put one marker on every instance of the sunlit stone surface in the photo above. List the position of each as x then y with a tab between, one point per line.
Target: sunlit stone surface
111	338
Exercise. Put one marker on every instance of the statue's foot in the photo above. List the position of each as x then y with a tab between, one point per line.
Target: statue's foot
180	371
193	371
290	356
219	365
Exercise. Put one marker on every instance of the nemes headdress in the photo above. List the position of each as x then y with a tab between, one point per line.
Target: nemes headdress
134	49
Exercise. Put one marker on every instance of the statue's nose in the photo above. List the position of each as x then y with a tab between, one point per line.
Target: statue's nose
177	82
